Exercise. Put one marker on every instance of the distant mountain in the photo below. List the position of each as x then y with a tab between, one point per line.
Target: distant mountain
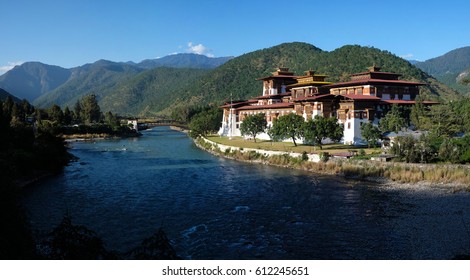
184	60
99	78
33	79
450	68
44	84
4	95
237	76
452	62
413	62
128	88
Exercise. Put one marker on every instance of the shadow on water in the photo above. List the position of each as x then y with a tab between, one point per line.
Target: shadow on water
73	242
214	208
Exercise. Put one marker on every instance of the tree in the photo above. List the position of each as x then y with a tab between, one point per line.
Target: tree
443	121
56	114
418	114
77	112
111	119
91	111
205	122
68	116
319	128
393	120
253	124
287	126
370	133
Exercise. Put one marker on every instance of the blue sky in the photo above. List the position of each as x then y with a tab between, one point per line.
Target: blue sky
72	33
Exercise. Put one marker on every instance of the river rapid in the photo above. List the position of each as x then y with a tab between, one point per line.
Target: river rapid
214	208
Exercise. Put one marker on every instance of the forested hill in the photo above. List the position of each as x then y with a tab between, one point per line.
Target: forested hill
238	76
100	78
150	91
452	62
451	69
5	94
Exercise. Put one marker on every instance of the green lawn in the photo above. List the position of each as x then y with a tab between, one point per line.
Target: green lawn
287	146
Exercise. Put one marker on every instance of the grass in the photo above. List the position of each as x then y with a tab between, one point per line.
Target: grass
360	169
285	146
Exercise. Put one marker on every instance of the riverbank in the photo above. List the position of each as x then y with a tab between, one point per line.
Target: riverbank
96	136
451	177
181	128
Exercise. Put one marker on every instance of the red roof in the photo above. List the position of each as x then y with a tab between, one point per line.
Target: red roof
411	102
271	106
236	104
277	76
376	72
315	97
375	81
360	97
273	96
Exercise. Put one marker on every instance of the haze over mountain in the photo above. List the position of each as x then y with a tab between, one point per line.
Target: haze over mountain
98	78
31	80
450	68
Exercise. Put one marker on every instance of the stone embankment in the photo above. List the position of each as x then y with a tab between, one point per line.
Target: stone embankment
449	176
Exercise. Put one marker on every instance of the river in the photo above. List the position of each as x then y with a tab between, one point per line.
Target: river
214	208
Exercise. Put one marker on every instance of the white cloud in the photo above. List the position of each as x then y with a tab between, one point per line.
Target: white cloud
199	49
9	66
407	56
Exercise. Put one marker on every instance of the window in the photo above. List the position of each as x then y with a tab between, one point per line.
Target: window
349	125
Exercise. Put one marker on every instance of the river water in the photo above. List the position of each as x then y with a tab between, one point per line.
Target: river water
214	208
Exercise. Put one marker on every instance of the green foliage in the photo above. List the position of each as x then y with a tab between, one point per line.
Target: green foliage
252	125
111	120
90	112
370	133
56	114
287	126
319	128
442	120
455	150
394	120
205	122
426	149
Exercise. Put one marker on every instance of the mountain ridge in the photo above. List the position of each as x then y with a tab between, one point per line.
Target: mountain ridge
450	68
236	78
31	80
127	88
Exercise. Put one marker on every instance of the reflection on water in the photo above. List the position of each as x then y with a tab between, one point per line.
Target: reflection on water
214	208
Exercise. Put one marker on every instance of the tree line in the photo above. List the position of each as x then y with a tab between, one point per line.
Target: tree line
443	131
31	146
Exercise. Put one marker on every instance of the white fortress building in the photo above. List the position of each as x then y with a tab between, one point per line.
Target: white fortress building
365	98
